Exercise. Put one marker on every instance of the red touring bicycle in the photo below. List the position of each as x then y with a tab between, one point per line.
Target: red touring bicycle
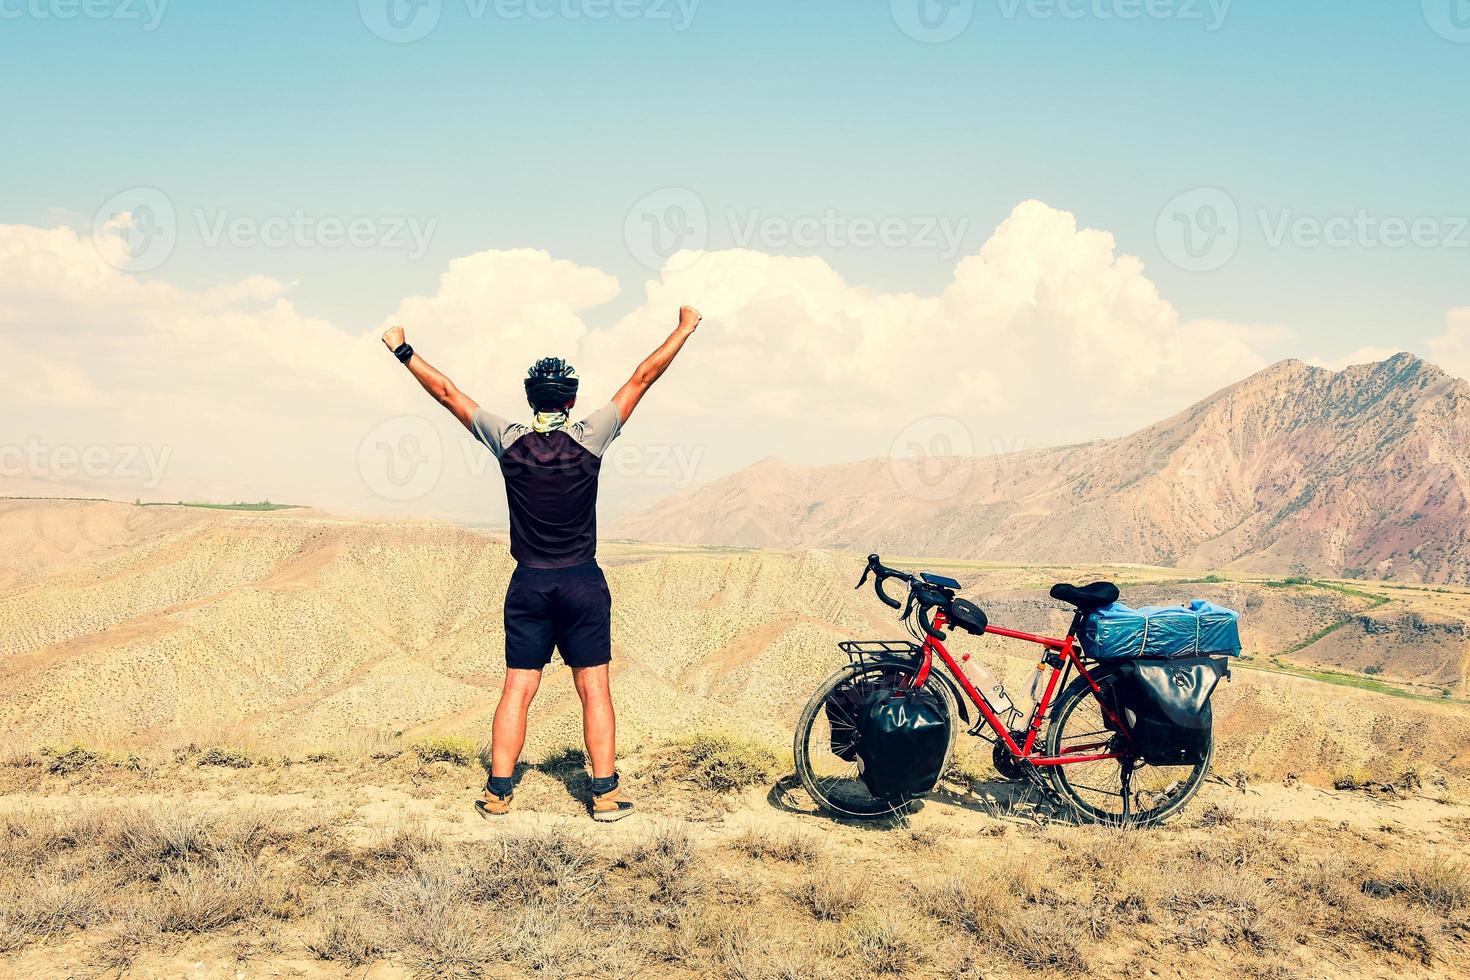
1073	747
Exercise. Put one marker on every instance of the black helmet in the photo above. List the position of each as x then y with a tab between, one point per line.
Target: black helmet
550	384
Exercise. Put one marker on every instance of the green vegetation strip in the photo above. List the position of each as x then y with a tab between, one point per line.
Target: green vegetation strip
1351	680
264	505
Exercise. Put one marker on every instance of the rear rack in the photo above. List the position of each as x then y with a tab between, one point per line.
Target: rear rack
867	651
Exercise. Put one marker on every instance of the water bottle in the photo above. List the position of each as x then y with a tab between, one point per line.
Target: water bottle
987	684
1038	683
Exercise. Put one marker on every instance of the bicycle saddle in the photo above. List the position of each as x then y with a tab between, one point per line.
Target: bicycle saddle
1088	598
969	617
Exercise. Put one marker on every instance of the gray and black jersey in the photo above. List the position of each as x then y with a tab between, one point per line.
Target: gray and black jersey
551	484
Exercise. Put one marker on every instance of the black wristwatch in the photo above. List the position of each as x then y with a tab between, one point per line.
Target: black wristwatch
403	352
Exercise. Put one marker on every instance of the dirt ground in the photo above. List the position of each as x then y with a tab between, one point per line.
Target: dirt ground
380	868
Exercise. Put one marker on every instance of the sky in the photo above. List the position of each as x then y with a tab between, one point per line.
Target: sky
917	225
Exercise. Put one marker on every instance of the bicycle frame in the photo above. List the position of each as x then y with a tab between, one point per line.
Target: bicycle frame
1066	656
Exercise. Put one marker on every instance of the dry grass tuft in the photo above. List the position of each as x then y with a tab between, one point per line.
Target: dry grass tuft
884	943
47	906
829	892
1441	885
446	748
718	763
227	758
667	858
349	936
786	845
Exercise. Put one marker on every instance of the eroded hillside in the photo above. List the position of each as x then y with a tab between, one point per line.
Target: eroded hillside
302	630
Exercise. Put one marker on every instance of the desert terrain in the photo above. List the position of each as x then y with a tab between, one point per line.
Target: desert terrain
245	744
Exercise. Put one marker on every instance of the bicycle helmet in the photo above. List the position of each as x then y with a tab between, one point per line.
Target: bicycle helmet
550	384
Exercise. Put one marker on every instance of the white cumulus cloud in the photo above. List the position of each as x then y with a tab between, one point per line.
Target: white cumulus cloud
1048	333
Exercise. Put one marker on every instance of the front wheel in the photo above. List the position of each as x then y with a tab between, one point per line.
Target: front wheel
1095	790
826	737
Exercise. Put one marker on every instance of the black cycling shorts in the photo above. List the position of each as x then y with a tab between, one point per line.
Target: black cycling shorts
566	608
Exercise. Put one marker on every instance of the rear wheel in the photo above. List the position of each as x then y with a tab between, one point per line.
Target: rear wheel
1095	790
826	737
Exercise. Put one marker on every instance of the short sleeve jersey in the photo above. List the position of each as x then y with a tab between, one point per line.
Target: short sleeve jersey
551	484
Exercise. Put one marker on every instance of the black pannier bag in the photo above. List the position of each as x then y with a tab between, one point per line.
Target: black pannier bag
903	741
1166	704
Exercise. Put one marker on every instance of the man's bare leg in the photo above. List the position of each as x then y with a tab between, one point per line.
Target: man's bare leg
599	725
508	735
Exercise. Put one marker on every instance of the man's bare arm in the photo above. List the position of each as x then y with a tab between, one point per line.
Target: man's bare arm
460	405
655	364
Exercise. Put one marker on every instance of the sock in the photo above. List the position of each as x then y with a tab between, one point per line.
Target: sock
601	787
501	785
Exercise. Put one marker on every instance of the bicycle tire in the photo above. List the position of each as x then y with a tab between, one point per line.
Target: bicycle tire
856	802
1177	792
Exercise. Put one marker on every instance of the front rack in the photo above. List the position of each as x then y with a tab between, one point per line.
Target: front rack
867	651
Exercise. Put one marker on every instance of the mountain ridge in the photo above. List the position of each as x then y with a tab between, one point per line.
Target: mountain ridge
1361	472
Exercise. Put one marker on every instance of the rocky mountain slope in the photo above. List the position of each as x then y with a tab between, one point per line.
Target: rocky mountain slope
1363	473
164	626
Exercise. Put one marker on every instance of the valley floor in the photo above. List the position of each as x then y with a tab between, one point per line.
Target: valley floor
377	867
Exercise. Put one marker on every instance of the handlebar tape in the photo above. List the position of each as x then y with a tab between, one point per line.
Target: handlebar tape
928	623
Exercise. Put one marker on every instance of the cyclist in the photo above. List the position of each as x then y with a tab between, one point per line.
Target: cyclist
558	595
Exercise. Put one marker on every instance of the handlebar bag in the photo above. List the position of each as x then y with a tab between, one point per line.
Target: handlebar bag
1119	632
1166	705
903	744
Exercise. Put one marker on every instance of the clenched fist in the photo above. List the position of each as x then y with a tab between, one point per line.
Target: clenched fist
689	317
393	338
